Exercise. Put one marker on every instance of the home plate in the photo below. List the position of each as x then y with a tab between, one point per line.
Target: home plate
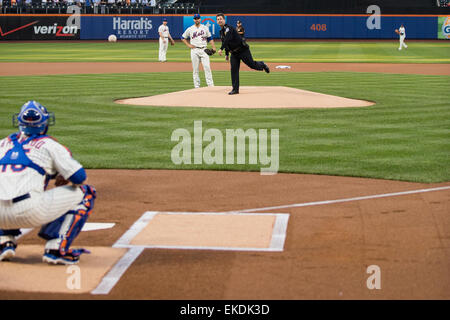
92	226
248	97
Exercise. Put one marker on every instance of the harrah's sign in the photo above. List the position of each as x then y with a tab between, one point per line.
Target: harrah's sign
132	28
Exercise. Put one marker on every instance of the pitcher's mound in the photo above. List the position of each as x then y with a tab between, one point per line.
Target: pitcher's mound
248	97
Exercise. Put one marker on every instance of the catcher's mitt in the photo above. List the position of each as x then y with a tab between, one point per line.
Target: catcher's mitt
210	52
60	181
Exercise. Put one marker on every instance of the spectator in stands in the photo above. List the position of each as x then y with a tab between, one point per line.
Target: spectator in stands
152	3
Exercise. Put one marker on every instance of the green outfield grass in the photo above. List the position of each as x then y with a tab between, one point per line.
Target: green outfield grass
405	136
385	52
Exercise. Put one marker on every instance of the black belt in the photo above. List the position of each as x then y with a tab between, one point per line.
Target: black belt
20	198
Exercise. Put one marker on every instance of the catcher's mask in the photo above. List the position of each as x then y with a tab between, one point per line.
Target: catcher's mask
33	119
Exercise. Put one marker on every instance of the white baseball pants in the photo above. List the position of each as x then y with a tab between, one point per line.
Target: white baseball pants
402	43
40	209
163	45
199	55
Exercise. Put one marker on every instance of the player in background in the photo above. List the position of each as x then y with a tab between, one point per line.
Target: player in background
402	35
199	36
28	160
240	29
164	38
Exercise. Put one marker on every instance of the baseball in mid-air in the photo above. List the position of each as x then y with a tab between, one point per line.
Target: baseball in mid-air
112	38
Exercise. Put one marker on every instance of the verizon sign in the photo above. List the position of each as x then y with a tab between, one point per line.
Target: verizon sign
29	27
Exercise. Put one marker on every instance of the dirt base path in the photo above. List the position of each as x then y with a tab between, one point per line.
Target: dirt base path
43	68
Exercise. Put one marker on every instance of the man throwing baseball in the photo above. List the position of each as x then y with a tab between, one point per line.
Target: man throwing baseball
199	36
402	35
28	160
240	50
164	38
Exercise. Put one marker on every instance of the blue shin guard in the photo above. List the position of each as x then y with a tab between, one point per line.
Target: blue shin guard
67	227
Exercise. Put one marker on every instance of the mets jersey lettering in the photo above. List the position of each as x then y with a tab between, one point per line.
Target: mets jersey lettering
198	36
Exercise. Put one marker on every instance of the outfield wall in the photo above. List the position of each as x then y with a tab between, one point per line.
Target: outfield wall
144	27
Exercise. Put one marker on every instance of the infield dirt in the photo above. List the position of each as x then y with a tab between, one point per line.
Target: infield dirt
44	68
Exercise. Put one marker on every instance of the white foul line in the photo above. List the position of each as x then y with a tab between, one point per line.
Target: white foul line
110	280
316	203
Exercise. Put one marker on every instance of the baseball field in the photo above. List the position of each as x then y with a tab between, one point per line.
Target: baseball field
356	187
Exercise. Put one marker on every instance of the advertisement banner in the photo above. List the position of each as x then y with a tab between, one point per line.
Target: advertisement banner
444	28
144	27
29	27
74	26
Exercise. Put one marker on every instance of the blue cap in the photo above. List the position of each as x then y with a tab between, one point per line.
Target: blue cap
196	16
164	19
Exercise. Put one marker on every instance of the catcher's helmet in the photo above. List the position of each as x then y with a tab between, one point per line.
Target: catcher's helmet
33	119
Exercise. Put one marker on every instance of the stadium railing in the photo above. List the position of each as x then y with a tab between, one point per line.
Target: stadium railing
118	7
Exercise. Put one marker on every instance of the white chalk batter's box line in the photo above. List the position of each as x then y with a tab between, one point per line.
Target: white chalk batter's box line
113	276
276	242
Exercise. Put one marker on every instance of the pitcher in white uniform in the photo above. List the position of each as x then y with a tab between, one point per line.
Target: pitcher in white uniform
402	36
164	37
199	36
28	160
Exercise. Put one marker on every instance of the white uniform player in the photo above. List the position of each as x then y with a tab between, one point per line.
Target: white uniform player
164	36
199	36
28	160
402	35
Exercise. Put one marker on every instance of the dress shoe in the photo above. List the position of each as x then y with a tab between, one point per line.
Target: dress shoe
266	67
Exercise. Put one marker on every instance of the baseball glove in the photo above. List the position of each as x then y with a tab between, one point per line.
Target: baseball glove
60	181
210	52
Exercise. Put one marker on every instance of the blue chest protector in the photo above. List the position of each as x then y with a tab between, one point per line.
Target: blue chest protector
17	155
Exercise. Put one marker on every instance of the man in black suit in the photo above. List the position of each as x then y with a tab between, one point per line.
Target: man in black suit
232	42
